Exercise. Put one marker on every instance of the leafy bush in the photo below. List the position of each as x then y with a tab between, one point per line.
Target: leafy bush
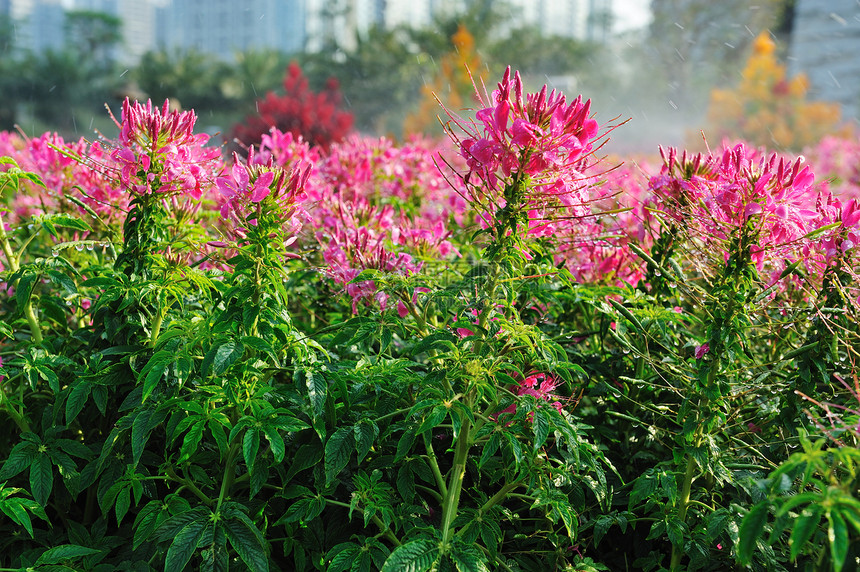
502	353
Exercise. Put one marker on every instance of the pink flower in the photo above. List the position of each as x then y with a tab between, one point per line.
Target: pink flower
702	350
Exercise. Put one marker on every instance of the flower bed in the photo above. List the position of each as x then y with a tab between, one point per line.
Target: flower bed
500	352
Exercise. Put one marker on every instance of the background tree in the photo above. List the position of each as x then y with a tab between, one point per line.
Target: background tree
767	107
193	79
317	117
453	85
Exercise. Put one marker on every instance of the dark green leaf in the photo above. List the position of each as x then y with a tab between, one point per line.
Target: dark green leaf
415	556
184	545
248	543
337	452
78	395
58	554
838	535
20	458
365	434
41	478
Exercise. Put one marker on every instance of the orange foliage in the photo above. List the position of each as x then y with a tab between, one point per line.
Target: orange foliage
452	85
767	108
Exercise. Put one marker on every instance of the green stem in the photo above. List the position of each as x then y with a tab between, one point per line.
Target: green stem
499	496
13	262
16	416
434	466
455	486
229	475
683	505
188	484
156	326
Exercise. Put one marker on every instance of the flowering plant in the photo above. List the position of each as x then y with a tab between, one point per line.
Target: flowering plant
490	353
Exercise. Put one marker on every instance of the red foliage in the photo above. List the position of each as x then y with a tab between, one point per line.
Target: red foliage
317	117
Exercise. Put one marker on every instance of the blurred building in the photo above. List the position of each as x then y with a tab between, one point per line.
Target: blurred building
825	43
37	24
138	24
223	27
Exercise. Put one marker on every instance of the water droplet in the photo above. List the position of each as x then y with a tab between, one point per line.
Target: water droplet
79	247
626	351
672	285
658	273
787	326
31	226
55	253
90	246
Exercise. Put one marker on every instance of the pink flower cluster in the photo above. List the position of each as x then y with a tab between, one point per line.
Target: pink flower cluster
160	153
373	205
538	385
539	136
255	187
714	197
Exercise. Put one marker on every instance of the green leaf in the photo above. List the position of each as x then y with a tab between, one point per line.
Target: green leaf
248	543
250	446
77	398
804	527
276	442
317	388
365	434
41	478
540	426
24	288
184	545
221	356
751	528
415	556
337	452
467	558
123	502
837	534
192	440
20	458
58	554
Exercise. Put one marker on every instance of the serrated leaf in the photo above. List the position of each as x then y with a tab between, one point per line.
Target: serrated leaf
63	552
338	450
540	426
317	388
467	559
365	433
184	544
41	478
20	458
276	442
77	398
415	556
192	440
250	446
248	543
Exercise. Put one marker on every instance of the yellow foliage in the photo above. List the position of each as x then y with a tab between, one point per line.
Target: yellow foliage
452	85
768	109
